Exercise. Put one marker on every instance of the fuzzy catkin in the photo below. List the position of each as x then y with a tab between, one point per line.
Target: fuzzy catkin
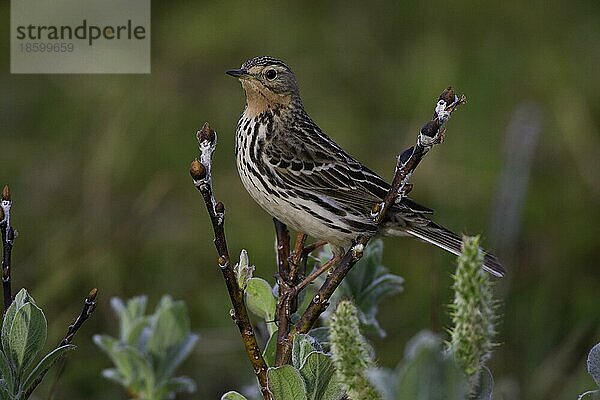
472	311
350	352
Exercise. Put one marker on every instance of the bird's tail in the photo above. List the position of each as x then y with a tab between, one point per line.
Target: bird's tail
449	241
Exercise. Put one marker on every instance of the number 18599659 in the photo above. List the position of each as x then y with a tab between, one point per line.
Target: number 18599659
42	47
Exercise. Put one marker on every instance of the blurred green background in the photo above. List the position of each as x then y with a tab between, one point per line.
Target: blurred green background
98	167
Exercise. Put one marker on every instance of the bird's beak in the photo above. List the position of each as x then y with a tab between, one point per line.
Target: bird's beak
237	73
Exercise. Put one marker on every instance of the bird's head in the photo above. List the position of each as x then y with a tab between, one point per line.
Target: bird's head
268	83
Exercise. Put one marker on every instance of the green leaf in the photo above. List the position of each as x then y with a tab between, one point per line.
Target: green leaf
144	380
171	326
118	306
286	383
243	270
46	363
181	384
7	372
303	345
27	336
114	375
271	350
134	331
136	307
427	373
105	342
20	300
593	363
151	348
367	283
232	396
321	335
114	349
176	356
319	377
5	392
384	380
23	297
260	299
131	317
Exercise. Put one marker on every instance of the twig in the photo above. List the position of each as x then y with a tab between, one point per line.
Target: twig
89	305
316	273
200	170
313	246
287	301
321	300
431	133
296	256
283	310
282	241
298	261
8	237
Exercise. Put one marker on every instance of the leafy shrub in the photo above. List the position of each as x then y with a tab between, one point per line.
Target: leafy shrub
335	361
149	348
310	376
24	330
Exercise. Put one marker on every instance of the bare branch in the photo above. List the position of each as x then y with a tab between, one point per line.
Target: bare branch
431	134
297	255
287	302
321	300
316	273
8	237
89	305
200	170
285	298
282	241
313	246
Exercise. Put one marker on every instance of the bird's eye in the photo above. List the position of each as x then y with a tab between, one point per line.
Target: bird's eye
271	74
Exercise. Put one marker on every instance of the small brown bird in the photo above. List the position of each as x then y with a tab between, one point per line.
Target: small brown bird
300	176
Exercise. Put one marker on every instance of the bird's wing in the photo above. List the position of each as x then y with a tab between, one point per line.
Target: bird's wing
306	159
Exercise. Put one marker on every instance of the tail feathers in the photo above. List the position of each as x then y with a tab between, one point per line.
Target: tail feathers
451	242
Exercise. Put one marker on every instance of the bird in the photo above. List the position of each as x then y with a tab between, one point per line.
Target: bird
303	178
